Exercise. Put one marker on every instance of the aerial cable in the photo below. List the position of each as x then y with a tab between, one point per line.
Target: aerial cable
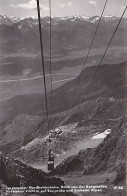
43	64
98	65
91	82
51	79
84	64
106	49
50	157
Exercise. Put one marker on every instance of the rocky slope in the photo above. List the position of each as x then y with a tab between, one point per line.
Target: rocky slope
23	129
110	82
15	173
108	156
73	136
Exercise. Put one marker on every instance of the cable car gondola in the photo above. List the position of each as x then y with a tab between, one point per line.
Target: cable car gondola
50	161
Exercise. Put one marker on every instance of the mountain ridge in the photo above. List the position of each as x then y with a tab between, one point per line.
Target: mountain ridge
67	35
9	20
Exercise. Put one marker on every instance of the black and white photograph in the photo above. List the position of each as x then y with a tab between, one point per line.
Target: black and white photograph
63	86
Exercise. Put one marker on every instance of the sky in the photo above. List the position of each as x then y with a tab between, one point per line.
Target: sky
61	8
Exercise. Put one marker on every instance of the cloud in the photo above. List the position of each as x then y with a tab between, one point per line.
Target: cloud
92	2
66	5
30	5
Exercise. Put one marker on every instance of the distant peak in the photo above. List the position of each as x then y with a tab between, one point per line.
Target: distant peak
3	16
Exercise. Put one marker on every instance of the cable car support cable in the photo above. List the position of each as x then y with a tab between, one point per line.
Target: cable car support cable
86	58
51	79
98	65
50	158
84	64
43	64
91	82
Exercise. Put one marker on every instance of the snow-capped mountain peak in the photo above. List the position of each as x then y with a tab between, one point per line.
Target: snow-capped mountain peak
15	19
3	16
93	19
8	20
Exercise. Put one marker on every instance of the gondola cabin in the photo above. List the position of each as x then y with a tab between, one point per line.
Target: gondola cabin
50	160
50	163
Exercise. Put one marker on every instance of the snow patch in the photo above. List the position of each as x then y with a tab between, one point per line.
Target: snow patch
108	16
101	135
15	19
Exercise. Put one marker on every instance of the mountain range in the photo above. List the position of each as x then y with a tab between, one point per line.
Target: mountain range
9	20
67	34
